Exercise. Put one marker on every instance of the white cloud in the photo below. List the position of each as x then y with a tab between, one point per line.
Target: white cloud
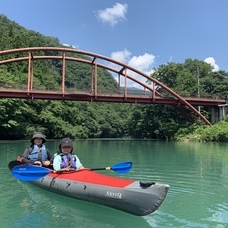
170	59
112	15
69	45
211	61
143	63
121	56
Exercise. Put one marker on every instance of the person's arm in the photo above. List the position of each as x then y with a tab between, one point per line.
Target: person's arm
50	157
78	163
25	156
57	162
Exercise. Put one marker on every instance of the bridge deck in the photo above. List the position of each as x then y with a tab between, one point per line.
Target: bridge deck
112	97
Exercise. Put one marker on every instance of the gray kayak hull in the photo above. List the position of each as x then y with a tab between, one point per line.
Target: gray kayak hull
134	197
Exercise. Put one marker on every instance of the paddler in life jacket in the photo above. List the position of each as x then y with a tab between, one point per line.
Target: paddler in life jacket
37	153
66	160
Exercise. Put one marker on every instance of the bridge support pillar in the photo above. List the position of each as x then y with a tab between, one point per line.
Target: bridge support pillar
218	113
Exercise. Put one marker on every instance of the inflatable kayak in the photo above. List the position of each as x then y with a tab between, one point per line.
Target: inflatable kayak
134	197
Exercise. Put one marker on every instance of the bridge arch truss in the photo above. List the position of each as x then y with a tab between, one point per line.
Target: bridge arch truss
123	71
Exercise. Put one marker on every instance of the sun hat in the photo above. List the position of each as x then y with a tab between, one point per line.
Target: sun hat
38	135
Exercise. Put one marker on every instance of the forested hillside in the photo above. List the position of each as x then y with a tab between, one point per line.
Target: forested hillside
20	118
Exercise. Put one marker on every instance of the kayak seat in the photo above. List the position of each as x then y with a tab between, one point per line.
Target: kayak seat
146	184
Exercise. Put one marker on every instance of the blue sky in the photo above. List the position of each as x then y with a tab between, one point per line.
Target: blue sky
143	34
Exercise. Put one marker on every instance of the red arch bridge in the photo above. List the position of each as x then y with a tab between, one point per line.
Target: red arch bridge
188	106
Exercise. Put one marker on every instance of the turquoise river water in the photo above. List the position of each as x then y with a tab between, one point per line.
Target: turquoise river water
196	172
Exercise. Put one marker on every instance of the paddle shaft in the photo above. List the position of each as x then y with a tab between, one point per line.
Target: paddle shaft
107	168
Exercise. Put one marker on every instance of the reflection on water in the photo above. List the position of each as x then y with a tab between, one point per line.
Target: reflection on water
52	210
196	172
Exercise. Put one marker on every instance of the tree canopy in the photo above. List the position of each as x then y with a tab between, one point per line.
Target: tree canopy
20	118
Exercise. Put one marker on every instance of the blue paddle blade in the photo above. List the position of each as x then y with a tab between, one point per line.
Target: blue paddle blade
122	168
29	173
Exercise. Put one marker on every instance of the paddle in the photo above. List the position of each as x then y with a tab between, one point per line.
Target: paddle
121	168
14	163
32	173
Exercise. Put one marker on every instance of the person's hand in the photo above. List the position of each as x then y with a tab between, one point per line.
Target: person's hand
46	163
37	163
67	168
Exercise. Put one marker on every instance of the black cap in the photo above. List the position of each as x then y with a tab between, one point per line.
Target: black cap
66	142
